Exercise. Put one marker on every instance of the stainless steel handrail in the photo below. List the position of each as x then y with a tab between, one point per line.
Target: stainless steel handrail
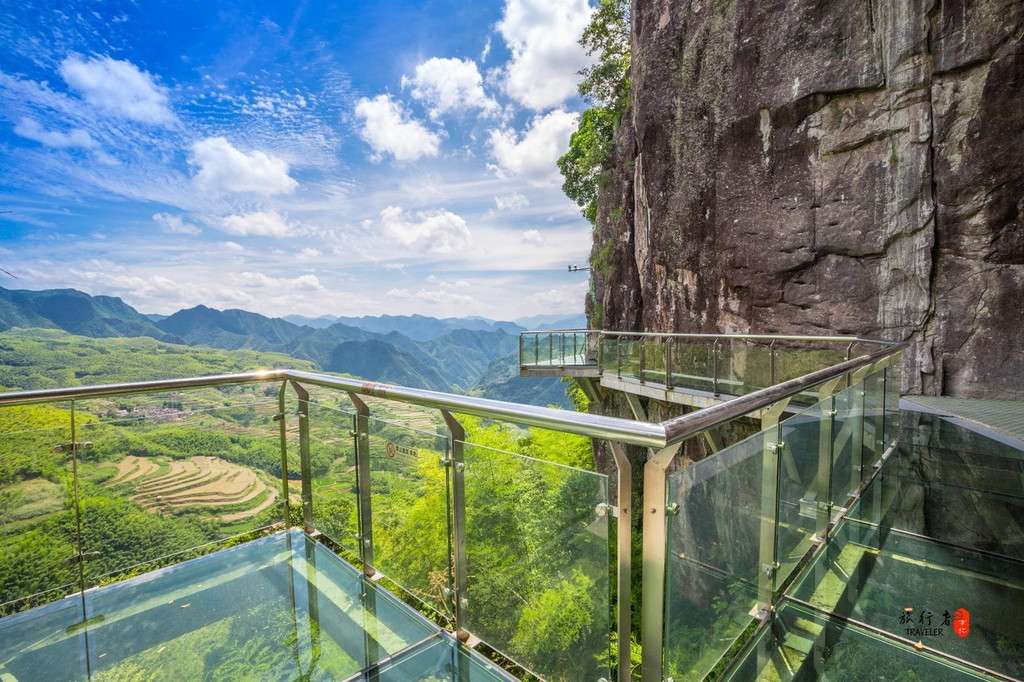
595	426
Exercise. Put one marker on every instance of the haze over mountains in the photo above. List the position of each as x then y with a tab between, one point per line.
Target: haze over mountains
471	355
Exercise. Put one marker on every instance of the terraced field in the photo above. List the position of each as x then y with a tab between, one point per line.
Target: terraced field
227	491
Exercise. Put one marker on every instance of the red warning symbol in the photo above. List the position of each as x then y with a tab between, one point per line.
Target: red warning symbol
391	449
962	622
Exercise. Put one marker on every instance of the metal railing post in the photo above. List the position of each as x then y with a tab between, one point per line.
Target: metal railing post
305	474
643	359
363	485
655	549
715	355
458	478
282	421
623	558
669	383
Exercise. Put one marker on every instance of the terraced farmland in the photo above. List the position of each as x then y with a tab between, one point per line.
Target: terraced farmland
221	489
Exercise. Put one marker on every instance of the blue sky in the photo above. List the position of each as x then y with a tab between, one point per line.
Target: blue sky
350	158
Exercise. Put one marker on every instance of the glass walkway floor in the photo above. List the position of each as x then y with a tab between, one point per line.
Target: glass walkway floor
282	607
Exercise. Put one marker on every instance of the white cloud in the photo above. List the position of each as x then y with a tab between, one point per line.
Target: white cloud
449	85
224	169
532	238
534	155
260	224
568	297
389	129
175	224
308	253
543	37
233	246
431	231
118	88
258	280
511	202
432	297
30	129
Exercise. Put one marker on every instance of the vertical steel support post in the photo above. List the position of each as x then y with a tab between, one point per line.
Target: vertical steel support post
551	348
618	356
771	453
655	550
669	369
304	468
716	355
772	356
623	557
365	509
643	358
599	339
561	349
458	478
283	428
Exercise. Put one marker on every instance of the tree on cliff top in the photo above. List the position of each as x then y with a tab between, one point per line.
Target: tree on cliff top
606	85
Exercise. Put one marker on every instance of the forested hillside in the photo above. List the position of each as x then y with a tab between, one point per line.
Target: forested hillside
448	355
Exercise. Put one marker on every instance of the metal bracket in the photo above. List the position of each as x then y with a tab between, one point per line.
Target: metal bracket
81	558
672	509
777	448
770	569
604	509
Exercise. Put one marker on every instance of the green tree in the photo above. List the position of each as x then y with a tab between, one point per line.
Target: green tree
606	85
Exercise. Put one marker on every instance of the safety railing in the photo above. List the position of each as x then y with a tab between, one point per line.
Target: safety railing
717	364
510	548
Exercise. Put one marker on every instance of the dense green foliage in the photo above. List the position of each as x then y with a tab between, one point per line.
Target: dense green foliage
606	85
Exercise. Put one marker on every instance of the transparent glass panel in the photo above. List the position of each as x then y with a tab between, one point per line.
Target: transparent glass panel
609	355
411	533
538	562
37	517
892	404
806	645
629	351
793	361
655	359
874	417
714	554
917	588
167	474
45	643
804	470
744	367
693	364
847	433
332	448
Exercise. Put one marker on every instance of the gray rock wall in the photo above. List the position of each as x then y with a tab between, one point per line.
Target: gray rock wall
811	166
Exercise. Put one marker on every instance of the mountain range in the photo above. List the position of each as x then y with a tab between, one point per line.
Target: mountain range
469	355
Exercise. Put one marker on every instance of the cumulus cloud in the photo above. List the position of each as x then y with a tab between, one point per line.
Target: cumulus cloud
448	85
175	224
118	88
75	138
431	231
259	224
543	38
258	280
224	169
534	154
432	296
389	129
532	238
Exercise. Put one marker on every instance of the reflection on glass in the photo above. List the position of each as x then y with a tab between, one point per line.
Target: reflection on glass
714	555
538	564
332	444
167	473
37	519
409	510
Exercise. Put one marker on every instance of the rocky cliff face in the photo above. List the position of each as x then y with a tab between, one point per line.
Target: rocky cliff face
810	167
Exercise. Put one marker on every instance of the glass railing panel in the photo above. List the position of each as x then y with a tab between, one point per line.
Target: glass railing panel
655	351
847	434
629	354
793	361
333	471
714	554
411	532
744	367
874	417
609	355
38	538
693	364
918	589
892	404
804	468
538	562
170	473
45	643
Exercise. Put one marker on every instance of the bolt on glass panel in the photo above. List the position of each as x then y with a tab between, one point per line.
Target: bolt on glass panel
538	562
